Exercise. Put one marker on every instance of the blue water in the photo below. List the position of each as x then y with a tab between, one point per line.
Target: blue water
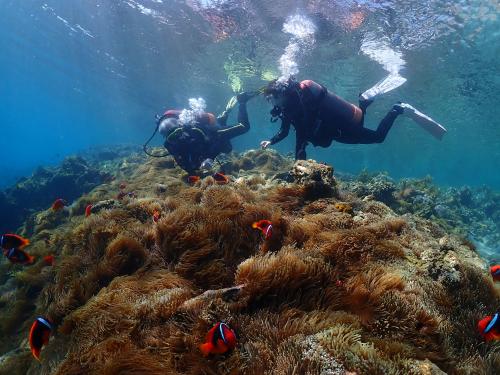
75	74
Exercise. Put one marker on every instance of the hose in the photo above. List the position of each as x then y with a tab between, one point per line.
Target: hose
145	146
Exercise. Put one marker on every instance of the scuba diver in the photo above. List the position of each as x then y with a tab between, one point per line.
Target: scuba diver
197	143
320	117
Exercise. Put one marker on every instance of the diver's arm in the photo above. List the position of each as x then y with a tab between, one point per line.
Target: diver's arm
285	128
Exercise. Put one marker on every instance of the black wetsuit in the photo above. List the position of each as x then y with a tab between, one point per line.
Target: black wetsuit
320	117
203	140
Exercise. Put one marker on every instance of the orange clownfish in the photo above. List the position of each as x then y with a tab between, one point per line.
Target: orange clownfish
220	178
193	179
156	215
489	327
9	240
220	340
88	210
495	272
39	335
18	256
265	226
49	260
59	204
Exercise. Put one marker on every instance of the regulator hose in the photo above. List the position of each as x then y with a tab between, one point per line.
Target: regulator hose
145	146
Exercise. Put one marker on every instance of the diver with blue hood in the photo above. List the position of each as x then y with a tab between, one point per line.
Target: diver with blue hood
195	144
321	117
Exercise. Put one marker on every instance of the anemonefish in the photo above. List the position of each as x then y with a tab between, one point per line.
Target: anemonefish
495	272
59	204
156	215
18	256
220	340
265	226
88	210
39	335
49	260
220	178
489	327
193	179
9	240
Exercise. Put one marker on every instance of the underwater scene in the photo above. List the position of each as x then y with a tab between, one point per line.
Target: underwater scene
250	187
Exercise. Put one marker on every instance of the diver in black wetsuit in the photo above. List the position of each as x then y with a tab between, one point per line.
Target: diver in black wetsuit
204	138
320	117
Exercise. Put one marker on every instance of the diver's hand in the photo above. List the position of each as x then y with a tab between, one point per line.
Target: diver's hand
264	144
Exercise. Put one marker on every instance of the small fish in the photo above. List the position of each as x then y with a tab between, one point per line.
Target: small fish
207	164
122	186
121	195
265	226
59	204
156	215
489	327
49	260
9	240
220	178
88	210
193	179
18	256
39	335
495	272
220	340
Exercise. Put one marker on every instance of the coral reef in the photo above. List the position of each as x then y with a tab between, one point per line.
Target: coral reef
75	176
351	280
472	213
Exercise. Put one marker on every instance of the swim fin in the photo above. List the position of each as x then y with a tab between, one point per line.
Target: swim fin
389	83
424	121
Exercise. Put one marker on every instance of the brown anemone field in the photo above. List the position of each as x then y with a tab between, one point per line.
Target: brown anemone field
342	285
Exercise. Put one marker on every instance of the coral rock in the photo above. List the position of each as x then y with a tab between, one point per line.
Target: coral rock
104	205
317	178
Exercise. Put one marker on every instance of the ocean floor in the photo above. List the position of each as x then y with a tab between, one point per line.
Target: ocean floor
360	274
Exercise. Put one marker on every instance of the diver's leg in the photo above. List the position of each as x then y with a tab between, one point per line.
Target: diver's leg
364	103
357	135
242	127
378	136
222	118
241	98
243	116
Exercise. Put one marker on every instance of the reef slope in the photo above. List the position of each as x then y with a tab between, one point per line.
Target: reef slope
344	285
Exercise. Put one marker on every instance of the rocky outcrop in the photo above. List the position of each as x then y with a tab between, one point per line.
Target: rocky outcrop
69	181
316	178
